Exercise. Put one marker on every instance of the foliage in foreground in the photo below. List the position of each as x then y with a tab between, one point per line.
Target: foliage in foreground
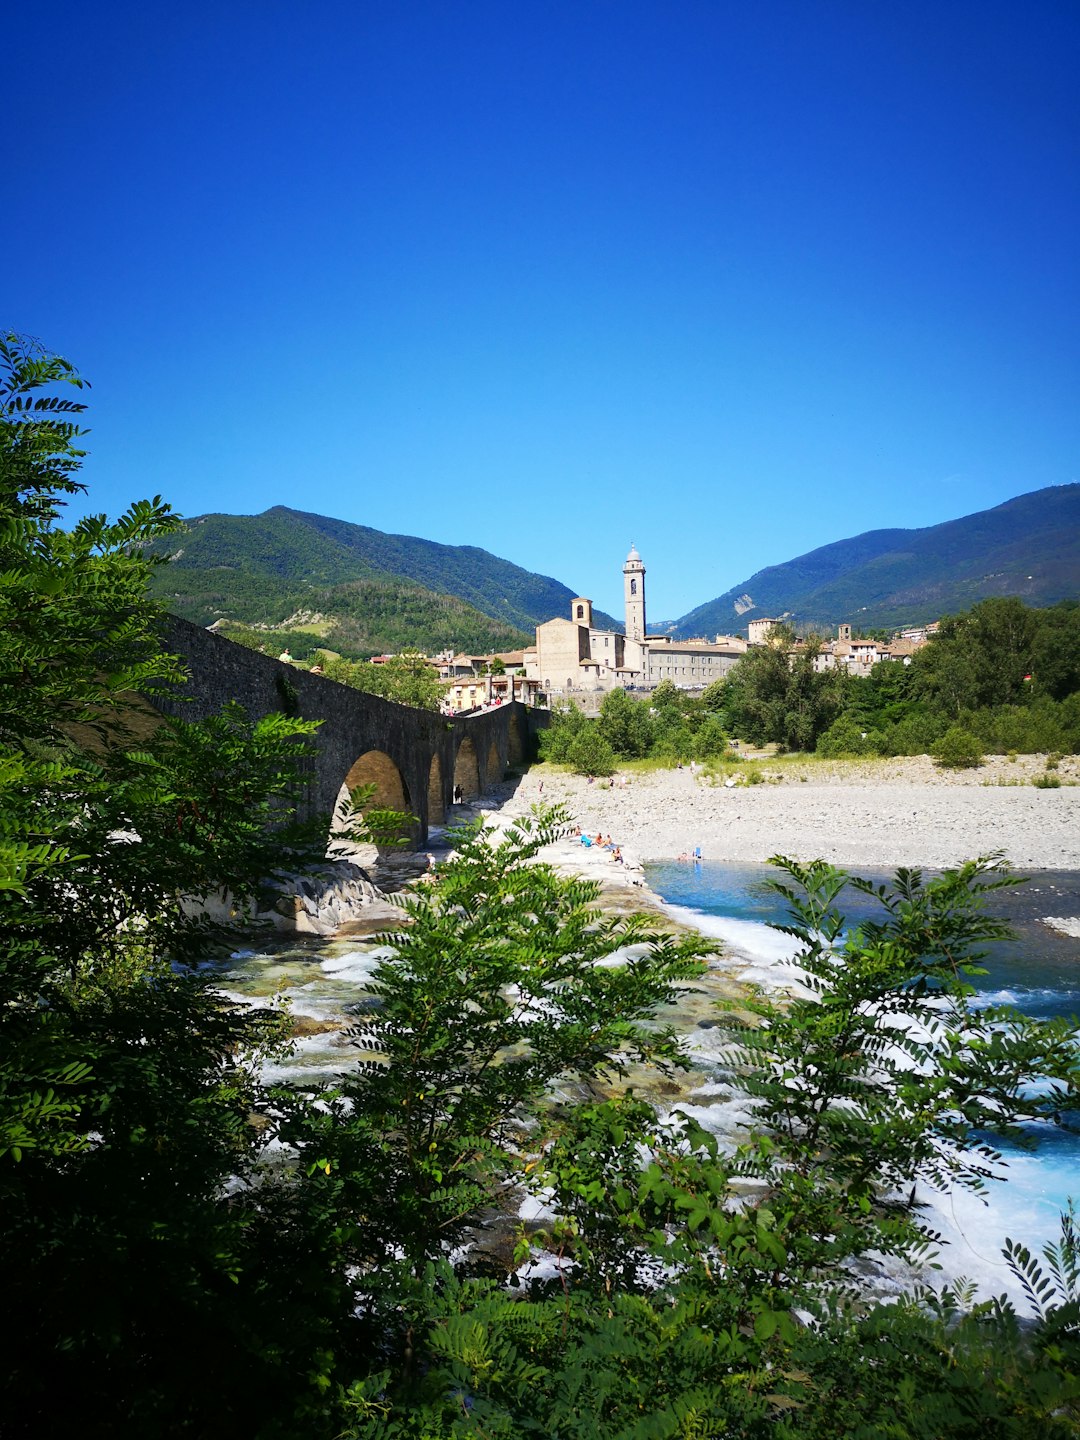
128	1086
189	1251
661	1305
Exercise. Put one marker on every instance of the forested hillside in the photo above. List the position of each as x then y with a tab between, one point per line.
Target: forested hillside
1028	547
376	591
356	619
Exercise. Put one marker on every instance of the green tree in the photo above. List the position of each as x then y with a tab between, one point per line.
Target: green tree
713	696
979	658
777	695
132	1118
408	678
590	753
1055	651
883	696
624	723
498	984
711	740
567	722
958	749
670	1311
847	737
900	1079
814	698
676	718
667	697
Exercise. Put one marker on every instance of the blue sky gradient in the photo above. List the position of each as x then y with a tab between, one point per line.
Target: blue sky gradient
728	280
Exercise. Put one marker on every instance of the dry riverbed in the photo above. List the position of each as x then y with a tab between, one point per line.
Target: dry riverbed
876	814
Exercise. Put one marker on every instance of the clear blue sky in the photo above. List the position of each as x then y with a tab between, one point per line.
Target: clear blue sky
729	280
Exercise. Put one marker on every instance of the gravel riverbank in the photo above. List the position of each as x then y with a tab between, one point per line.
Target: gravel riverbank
877	814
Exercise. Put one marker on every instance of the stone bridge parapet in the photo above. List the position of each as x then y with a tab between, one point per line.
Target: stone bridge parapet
415	758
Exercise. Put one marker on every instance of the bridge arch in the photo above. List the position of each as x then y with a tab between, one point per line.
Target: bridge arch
391	792
414	758
467	770
376	768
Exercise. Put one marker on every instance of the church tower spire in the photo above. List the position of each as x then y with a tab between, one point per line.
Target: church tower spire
634	595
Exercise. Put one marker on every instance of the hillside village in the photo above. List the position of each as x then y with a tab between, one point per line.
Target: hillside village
575	659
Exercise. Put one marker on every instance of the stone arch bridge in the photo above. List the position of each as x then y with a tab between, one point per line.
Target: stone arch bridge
414	758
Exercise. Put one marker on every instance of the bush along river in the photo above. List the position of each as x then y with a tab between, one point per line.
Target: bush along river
1038	972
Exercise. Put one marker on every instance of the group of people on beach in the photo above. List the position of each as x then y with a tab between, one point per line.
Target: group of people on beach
601	842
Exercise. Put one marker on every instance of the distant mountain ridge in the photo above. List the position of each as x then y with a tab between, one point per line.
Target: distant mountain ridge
369	591
261	569
1028	546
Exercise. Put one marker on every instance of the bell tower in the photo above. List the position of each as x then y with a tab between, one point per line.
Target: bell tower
634	595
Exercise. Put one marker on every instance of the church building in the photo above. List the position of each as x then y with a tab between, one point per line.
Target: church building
574	656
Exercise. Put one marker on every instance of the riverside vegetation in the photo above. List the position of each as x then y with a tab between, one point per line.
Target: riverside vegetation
190	1250
1001	678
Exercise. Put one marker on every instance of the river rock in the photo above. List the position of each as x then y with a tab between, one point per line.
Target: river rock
339	899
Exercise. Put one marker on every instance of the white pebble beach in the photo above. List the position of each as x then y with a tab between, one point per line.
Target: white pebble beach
877	814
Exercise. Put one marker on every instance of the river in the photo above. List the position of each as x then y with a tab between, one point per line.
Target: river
1039	972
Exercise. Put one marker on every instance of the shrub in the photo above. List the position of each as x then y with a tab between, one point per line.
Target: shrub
846	736
626	725
1039	728
711	740
589	753
915	734
556	740
958	749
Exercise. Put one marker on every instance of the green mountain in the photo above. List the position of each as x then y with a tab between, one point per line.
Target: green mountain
1029	547
359	590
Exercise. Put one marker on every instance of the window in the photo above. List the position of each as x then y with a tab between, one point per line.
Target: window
633	587
580	611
